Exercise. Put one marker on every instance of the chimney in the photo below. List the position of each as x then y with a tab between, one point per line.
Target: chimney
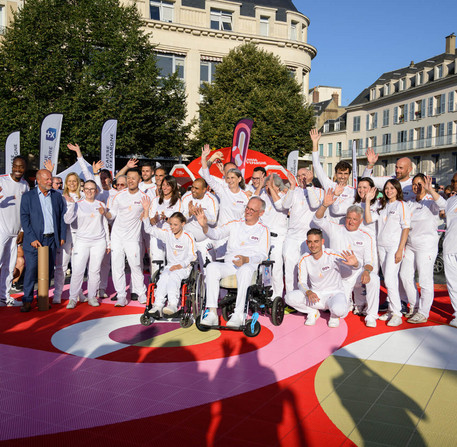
335	97
450	44
315	96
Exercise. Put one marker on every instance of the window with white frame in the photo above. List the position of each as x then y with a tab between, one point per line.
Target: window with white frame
264	25
373	93
356	124
450	102
420	78
402	84
387	89
440	102
439	71
326	127
221	20
170	63
293	30
337	125
207	71
161	10
2	20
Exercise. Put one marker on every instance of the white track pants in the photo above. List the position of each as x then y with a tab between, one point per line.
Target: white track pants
169	285
422	261
156	253
450	270
390	271
215	271
89	254
8	256
277	273
292	252
132	250
63	256
368	295
334	301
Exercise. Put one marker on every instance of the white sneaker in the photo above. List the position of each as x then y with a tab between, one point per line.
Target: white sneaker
93	302
121	302
453	322
102	294
370	321
417	318
333	322
156	311
171	309
82	297
209	318
385	317
71	304
13	303
235	321
57	300
411	312
312	318
395	321
142	300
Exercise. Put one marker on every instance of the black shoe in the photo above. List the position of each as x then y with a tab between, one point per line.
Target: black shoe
16	288
134	297
404	308
114	298
384	307
26	307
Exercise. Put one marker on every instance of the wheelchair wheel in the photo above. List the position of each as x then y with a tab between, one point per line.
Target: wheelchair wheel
227	311
145	320
277	311
186	321
252	332
200	326
198	295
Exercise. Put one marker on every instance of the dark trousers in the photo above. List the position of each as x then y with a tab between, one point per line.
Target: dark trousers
31	266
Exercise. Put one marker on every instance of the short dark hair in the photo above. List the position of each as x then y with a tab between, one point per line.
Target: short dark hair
260	169
148	164
107	172
315	231
161	168
343	166
137	170
20	157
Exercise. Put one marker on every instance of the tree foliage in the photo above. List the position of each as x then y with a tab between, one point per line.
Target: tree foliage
253	83
89	60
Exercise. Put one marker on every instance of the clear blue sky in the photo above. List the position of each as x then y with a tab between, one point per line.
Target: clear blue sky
359	40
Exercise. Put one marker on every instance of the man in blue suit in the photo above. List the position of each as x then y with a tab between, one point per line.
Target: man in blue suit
42	219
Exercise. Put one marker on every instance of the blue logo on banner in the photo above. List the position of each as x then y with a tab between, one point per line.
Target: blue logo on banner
51	134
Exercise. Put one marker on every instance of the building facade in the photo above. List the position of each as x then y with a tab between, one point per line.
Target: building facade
192	37
409	112
6	12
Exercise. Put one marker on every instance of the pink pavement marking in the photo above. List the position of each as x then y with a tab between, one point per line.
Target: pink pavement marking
58	380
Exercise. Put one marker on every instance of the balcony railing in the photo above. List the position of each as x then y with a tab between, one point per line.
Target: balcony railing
407	146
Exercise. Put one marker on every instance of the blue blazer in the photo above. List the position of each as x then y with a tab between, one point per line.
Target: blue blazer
32	218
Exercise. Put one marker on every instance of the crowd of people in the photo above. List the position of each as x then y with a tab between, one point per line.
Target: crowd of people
330	243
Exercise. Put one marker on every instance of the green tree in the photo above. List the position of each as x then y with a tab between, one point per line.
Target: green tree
91	61
253	83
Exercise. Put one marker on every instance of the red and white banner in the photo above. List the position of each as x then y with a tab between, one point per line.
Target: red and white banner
12	149
240	143
51	127
108	145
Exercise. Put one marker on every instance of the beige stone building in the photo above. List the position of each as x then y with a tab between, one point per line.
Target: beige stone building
6	12
192	36
410	112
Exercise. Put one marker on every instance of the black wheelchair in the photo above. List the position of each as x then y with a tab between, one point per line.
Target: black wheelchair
258	301
190	294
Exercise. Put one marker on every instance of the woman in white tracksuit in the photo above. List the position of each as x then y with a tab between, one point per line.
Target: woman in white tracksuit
232	197
394	219
180	247
421	248
71	189
90	243
162	207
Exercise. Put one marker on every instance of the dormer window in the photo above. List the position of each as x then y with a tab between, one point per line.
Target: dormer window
293	31
420	78
221	20
439	71
387	89
264	25
372	94
402	84
161	10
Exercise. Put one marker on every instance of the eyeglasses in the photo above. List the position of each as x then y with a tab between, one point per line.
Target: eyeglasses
252	210
90	189
121	184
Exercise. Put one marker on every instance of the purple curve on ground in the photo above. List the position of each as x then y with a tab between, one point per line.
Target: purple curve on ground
131	335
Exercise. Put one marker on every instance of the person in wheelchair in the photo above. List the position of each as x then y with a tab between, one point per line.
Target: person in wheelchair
248	245
180	253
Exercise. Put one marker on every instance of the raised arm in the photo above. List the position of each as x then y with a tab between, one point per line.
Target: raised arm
318	171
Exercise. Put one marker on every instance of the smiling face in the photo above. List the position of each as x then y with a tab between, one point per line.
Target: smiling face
362	188
353	221
233	181
253	211
44	180
160	175
147	173
403	168
133	179
314	242
418	187
198	189
90	190
167	189
72	183
390	192
176	225
342	177
18	169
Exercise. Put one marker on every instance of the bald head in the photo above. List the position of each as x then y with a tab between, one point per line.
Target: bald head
403	168
198	188
44	180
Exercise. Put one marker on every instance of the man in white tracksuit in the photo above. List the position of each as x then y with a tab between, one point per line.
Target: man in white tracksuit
126	210
248	245
349	237
320	282
12	187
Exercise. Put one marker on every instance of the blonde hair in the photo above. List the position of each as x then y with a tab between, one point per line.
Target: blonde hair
66	191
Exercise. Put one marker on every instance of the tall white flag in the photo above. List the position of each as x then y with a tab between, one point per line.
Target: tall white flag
50	139
12	149
292	162
354	164
108	145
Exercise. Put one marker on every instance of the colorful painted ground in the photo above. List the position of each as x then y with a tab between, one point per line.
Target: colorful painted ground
96	376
